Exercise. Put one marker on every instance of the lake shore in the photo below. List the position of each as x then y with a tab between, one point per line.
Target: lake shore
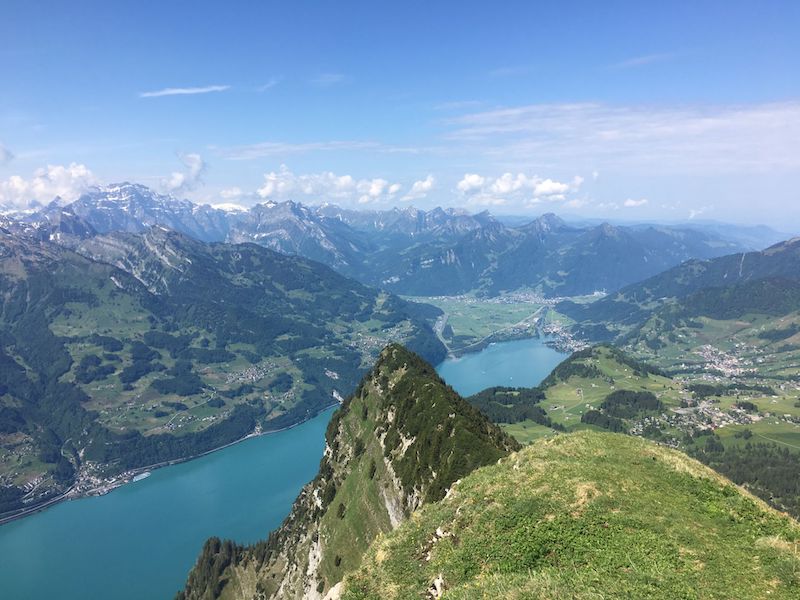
110	484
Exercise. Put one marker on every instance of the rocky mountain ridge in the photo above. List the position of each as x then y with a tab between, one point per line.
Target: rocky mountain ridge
575	515
406	251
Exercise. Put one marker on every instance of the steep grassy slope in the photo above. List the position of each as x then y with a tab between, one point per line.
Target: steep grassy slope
587	515
731	324
399	442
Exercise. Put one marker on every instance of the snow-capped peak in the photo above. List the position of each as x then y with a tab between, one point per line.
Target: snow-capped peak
229	207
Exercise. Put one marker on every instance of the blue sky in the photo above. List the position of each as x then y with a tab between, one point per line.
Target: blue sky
623	110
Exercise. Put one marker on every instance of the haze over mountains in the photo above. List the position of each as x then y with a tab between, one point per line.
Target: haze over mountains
408	251
138	328
762	282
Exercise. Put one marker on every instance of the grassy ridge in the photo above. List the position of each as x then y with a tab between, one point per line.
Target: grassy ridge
604	389
588	515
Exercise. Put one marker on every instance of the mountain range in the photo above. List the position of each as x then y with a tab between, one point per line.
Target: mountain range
406	251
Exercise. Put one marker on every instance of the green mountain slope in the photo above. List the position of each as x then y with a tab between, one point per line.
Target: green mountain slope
725	287
587	515
397	443
581	383
148	348
546	255
734	319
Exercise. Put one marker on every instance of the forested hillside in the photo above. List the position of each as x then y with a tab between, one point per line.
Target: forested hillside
152	347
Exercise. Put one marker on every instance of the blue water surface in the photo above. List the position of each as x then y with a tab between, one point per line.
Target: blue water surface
519	363
139	541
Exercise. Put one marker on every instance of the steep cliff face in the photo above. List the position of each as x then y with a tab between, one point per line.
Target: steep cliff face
399	442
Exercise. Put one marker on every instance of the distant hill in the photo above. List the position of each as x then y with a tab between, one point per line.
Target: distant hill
405	251
605	388
398	443
139	348
568	261
730	286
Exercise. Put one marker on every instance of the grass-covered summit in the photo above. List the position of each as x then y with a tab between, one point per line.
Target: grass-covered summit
587	515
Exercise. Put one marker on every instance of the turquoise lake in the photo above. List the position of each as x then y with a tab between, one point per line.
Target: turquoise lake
139	541
521	363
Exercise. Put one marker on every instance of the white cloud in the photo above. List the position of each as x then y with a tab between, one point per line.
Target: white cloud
183	181
519	189
268	85
186	91
641	61
470	181
631	203
6	156
326	186
696	212
232	193
230	207
652	140
371	190
548	187
420	189
47	183
508	183
328	79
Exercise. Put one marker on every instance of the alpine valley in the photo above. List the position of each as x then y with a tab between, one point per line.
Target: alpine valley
399	301
138	330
